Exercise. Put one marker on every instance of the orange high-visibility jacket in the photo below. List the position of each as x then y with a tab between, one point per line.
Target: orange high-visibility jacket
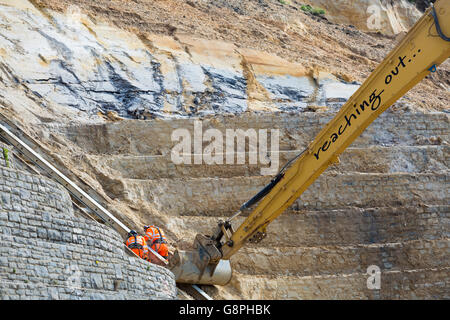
156	240
138	245
152	234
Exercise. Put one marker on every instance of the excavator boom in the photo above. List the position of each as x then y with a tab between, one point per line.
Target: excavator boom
418	54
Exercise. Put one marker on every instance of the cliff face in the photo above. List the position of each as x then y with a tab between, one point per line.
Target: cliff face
74	63
78	60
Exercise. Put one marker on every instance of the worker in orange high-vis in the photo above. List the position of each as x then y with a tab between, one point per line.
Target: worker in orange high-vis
156	240
137	244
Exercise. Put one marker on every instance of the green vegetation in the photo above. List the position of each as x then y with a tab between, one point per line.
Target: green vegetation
5	156
312	10
282	1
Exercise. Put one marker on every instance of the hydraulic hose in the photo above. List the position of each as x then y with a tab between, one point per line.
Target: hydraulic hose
438	26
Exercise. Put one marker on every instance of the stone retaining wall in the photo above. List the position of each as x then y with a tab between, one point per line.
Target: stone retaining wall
47	252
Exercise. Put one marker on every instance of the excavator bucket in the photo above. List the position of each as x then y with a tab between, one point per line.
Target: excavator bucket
188	269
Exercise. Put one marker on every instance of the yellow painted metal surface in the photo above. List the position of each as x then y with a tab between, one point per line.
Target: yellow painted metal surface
403	68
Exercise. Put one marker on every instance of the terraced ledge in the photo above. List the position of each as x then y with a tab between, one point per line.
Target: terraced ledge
133	137
426	283
328	260
345	227
214	197
374	159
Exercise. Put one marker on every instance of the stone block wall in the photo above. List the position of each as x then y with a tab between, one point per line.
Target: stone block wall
47	252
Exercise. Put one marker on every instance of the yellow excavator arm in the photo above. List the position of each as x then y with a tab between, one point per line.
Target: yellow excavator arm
424	48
